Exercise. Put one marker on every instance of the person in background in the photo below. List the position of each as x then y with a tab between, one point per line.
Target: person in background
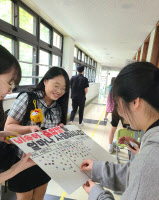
79	89
136	95
51	96
10	75
110	103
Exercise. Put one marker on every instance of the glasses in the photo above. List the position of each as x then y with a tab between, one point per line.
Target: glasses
11	86
63	91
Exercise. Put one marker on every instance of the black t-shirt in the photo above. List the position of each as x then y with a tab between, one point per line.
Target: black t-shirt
78	85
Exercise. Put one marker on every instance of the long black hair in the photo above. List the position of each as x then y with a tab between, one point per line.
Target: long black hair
139	79
63	100
7	63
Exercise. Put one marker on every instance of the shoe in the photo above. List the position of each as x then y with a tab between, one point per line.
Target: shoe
70	122
82	124
105	121
111	149
114	146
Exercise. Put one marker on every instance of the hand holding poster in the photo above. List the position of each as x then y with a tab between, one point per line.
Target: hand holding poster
60	152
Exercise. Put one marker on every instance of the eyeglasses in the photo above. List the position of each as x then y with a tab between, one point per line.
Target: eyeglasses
11	86
63	91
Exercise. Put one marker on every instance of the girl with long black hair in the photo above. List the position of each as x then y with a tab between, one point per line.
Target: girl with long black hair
136	95
52	95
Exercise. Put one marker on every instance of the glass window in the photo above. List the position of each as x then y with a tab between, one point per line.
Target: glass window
27	21
88	60
74	69
6	10
79	55
44	59
56	61
57	40
6	42
85	60
83	56
26	53
44	33
75	52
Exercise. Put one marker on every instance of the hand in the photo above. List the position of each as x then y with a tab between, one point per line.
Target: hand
88	186
134	151
4	134
61	124
35	128
23	164
127	139
86	165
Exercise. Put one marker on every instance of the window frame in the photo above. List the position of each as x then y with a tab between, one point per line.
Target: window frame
17	34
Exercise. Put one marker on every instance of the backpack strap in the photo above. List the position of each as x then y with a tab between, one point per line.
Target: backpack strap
31	97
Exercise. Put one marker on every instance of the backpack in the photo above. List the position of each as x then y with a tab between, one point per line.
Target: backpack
31	97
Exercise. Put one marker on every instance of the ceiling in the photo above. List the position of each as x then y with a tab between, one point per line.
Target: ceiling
110	30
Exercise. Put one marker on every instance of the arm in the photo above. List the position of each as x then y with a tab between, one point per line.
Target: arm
23	164
14	125
86	91
110	175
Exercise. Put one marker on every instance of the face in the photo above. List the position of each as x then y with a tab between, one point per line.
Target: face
55	88
6	83
125	113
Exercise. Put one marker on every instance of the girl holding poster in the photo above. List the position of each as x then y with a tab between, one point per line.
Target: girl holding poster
51	97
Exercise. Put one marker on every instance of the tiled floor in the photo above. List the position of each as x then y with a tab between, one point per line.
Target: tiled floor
93	112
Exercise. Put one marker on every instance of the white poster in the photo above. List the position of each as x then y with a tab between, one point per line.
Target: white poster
60	152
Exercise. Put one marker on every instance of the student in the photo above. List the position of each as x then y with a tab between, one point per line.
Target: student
110	103
79	89
10	74
136	94
52	98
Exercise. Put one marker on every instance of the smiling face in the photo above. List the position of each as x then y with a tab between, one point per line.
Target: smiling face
6	81
55	88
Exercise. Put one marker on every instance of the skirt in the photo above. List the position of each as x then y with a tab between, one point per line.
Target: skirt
110	105
28	179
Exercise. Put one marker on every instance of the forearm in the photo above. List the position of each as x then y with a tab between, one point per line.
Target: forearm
17	128
110	175
7	175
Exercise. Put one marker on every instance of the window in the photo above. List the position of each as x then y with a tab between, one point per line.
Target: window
75	52
56	61
23	41
88	60
74	69
85	60
6	10
6	42
26	55
44	62
79	55
27	21
57	40
83	56
44	33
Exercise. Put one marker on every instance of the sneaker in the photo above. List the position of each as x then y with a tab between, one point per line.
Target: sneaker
114	146
82	124
105	121
111	149
70	122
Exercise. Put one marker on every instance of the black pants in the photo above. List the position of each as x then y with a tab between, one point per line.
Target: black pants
75	104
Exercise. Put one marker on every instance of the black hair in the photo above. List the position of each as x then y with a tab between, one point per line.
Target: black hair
139	79
112	81
7	63
1	115
63	100
80	68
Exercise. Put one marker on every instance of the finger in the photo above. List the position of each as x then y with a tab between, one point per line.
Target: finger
136	147
26	156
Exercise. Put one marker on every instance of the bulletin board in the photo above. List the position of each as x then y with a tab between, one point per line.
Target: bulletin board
60	151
